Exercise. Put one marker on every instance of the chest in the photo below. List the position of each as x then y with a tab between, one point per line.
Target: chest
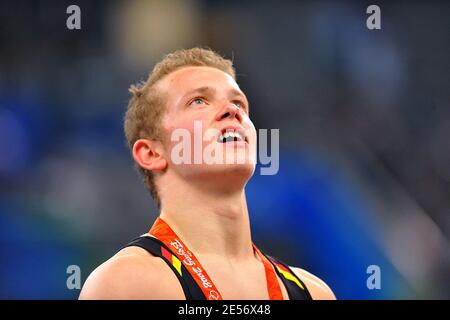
247	290
246	283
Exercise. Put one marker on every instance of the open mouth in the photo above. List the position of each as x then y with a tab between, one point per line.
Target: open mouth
232	135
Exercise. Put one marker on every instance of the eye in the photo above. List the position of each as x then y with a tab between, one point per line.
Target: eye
239	104
197	101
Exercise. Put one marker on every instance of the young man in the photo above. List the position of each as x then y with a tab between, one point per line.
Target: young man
200	246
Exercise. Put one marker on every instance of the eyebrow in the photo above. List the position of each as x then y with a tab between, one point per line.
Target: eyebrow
202	90
206	90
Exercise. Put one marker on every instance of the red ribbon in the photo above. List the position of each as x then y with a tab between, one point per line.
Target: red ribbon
162	231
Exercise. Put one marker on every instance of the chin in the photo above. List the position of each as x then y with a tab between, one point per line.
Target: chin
236	172
245	168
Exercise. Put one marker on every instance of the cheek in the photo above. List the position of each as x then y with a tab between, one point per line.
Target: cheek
185	120
174	122
191	126
247	121
192	129
250	127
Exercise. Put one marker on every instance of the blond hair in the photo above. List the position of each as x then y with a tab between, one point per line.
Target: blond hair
147	105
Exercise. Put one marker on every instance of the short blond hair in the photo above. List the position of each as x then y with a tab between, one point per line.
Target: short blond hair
147	105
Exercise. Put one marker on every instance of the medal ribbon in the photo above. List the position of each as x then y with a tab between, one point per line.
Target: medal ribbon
162	231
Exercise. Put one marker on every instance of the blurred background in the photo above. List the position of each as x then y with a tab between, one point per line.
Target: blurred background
364	121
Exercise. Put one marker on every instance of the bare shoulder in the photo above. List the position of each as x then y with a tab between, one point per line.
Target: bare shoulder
132	273
318	289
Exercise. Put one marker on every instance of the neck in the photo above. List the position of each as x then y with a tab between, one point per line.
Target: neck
210	223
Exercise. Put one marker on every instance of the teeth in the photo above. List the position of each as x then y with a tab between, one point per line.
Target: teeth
230	135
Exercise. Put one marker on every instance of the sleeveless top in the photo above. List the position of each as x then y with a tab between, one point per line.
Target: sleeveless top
201	287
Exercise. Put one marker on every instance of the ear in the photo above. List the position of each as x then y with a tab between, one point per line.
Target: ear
149	154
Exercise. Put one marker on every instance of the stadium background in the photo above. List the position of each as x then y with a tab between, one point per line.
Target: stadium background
364	121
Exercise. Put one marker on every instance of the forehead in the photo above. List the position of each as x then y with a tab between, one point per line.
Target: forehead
193	77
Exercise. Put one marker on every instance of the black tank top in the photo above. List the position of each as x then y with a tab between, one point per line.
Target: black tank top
295	287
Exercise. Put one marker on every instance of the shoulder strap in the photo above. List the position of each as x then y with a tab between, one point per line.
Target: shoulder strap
295	287
154	246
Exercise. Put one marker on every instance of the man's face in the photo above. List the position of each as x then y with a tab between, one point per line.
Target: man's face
206	105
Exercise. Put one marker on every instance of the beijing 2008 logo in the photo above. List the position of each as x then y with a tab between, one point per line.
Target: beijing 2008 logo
213	295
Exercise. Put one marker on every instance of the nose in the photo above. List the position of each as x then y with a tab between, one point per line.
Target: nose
229	111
